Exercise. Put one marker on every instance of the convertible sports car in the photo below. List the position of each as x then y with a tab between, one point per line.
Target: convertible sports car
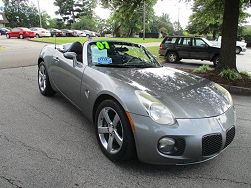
139	108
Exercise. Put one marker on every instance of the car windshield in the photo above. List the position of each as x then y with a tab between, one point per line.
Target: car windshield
208	42
121	54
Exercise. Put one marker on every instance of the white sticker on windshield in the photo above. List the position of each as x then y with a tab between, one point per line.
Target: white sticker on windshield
96	54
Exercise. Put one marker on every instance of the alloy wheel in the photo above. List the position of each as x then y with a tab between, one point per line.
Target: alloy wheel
172	57
110	130
42	78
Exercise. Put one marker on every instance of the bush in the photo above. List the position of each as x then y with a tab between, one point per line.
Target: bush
202	69
230	74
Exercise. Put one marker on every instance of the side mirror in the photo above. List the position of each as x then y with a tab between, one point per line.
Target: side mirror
70	55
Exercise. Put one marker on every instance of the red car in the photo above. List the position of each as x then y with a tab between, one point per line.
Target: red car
20	32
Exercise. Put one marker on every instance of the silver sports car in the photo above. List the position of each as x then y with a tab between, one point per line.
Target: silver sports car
139	108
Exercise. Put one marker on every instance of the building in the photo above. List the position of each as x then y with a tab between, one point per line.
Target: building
3	19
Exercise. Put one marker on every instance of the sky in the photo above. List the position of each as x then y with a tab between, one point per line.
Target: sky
174	8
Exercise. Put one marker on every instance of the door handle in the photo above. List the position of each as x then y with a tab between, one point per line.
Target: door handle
56	58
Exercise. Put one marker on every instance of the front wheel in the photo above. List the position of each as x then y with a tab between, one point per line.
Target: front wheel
113	132
21	36
44	82
172	57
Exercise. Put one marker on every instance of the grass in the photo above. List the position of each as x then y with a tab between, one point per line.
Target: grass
202	69
230	74
155	51
62	40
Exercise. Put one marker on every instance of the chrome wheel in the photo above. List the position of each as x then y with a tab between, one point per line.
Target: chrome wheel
110	130
42	78
21	36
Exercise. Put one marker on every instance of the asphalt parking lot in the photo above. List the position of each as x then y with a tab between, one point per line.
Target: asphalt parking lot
46	142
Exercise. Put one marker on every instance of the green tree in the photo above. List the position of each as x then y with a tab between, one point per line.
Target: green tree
85	22
127	16
161	23
207	17
21	13
70	10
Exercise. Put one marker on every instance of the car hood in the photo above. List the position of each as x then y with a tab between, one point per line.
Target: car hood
186	95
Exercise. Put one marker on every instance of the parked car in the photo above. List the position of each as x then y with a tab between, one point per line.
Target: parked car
56	32
41	32
67	33
177	48
20	32
164	115
240	45
78	33
90	33
3	31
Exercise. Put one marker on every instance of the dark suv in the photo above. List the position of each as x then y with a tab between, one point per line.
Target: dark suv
177	48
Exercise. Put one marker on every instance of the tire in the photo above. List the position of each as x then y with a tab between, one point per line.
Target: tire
115	140
172	57
237	50
37	36
216	60
21	36
44	82
8	36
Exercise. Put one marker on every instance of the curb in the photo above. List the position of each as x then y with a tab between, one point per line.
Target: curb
237	90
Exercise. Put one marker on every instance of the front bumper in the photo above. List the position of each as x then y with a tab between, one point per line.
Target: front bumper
147	134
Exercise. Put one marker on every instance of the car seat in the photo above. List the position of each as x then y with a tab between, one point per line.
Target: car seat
77	47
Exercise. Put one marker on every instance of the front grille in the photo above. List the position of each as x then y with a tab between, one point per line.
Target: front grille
211	144
230	136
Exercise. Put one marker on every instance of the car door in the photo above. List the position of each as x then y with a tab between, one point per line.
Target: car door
200	49
67	76
14	32
183	47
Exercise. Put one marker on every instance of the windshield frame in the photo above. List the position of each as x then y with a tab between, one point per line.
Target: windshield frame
155	63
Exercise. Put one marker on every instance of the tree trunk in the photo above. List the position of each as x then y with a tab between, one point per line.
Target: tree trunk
229	34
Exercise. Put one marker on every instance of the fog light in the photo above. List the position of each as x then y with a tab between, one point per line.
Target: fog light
166	145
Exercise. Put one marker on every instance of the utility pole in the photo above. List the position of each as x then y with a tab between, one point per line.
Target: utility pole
40	18
178	20
144	20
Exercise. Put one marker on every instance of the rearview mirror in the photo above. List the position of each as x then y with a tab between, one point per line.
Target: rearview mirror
70	55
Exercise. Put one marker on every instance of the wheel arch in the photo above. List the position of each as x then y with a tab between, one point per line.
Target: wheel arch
101	98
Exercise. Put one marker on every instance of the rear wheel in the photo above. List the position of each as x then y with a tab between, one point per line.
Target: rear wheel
21	36
44	82
8	36
113	132
172	57
37	35
237	50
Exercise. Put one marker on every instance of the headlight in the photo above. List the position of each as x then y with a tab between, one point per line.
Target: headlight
225	93
155	109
